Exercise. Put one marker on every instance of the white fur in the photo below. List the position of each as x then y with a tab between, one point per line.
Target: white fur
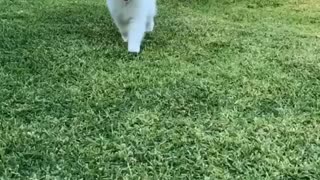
133	18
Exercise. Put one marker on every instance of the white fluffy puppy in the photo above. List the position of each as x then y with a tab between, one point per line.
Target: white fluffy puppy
133	18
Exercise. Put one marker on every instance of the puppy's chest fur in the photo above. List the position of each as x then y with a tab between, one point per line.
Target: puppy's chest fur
124	11
124	17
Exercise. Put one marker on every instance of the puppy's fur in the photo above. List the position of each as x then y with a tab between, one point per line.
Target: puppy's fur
133	18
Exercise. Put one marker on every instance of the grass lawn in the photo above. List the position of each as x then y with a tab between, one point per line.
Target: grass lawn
224	89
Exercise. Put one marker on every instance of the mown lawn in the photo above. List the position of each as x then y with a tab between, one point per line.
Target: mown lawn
224	89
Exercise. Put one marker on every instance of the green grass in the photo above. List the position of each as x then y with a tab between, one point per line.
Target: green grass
224	89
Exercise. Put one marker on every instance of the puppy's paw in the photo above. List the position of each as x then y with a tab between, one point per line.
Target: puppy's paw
150	27
125	39
133	48
124	36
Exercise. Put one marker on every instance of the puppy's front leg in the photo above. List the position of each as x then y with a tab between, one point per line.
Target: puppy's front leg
123	29
136	34
150	24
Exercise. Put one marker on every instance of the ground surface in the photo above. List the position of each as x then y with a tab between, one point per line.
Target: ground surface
223	90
